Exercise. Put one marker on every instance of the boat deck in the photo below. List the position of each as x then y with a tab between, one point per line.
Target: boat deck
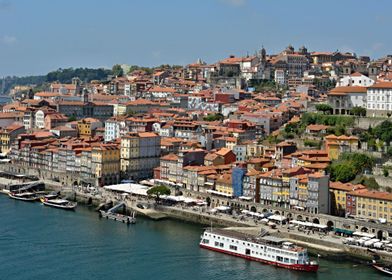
266	240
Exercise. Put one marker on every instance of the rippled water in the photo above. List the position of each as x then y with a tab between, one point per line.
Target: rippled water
38	242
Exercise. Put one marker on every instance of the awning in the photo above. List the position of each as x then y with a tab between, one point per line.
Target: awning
344	231
219	193
277	218
364	234
308	224
223	208
129	188
246	197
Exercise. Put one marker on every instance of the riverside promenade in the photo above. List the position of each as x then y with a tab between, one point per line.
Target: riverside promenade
327	245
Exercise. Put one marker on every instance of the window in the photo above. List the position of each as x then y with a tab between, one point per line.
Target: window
232	247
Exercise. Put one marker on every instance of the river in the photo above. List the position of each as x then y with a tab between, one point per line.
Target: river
38	242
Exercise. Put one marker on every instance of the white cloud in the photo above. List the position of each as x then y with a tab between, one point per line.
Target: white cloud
8	40
235	3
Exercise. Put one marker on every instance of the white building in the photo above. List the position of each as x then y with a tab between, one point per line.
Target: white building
115	128
343	99
355	79
40	119
240	152
379	99
280	77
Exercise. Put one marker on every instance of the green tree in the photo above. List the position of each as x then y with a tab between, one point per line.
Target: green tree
72	118
369	182
349	165
358	111
372	144
312	143
117	70
385	172
157	191
383	131
325	108
342	172
213	117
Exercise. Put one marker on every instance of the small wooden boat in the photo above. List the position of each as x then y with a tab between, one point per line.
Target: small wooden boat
25	196
383	269
59	203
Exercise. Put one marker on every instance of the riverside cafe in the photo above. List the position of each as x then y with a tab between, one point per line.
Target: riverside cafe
256	215
141	191
309	226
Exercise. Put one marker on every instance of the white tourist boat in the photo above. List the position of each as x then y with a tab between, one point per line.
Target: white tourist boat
268	249
59	203
25	196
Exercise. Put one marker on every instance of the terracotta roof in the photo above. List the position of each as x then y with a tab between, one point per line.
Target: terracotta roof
210	156
171	157
162	89
382	85
141	102
147	134
348	89
223	151
47	94
13	126
317	127
10	115
348	187
372	194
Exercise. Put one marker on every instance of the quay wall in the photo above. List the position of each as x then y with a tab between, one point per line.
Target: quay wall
203	219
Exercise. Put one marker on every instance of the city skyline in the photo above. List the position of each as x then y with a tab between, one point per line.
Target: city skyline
96	34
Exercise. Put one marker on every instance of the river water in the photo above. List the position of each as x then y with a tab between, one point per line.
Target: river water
38	242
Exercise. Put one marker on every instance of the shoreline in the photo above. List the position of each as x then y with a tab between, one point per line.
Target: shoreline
327	249
316	246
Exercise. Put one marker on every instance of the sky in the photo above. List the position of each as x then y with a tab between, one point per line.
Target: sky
38	36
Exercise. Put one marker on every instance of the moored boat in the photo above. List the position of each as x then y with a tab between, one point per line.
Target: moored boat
269	249
59	203
383	269
51	195
25	196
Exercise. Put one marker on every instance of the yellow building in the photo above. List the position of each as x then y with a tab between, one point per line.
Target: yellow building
302	191
8	135
224	184
338	192
105	160
129	151
336	145
140	154
371	205
87	127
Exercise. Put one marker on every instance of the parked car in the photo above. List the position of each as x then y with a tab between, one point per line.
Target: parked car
140	206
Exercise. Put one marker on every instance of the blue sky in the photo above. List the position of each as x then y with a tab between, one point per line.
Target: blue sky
37	36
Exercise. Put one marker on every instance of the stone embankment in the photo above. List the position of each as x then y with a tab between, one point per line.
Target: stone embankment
328	246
